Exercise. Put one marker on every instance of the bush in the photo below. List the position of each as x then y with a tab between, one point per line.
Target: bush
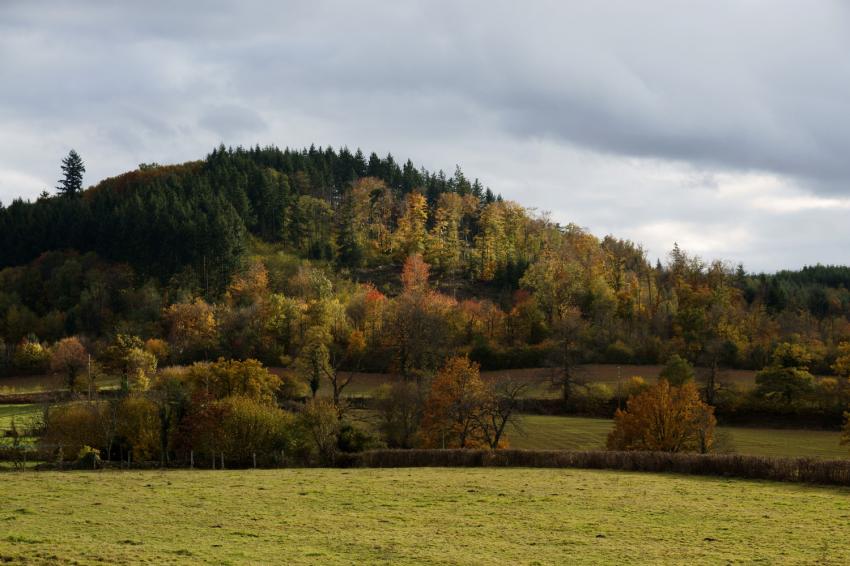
593	398
619	352
88	458
73	426
354	439
249	427
31	357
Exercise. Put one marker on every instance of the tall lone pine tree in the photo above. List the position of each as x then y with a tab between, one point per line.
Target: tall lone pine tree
72	168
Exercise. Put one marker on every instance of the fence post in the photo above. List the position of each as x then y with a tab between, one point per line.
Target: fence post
222	460
191	459
255	460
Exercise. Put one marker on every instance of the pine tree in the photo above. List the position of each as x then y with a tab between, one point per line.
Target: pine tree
71	184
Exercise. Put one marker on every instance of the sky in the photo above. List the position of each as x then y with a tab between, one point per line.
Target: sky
723	126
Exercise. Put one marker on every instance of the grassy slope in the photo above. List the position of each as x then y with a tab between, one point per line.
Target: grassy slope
578	433
417	516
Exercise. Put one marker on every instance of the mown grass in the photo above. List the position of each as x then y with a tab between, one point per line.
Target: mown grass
541	432
416	516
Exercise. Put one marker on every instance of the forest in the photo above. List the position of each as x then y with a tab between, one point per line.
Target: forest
325	263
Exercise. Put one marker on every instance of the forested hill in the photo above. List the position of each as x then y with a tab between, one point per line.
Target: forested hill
163	220
251	240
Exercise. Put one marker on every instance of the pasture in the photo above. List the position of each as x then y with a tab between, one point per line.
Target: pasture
416	516
541	432
22	414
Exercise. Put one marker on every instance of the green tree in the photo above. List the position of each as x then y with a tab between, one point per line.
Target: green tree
677	371
787	384
71	183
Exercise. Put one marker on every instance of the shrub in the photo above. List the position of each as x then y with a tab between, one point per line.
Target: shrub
634	386
31	357
249	427
73	426
592	398
88	458
355	439
619	352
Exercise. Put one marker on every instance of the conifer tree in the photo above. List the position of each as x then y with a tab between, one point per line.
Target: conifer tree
73	168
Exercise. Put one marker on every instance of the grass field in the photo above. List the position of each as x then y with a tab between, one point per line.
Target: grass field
416	516
24	384
578	433
22	414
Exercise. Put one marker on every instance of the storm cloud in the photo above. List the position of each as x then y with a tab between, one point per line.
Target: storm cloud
720	125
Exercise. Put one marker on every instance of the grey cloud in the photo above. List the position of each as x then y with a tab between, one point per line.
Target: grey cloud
545	101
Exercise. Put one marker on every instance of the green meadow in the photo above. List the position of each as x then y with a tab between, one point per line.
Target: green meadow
540	432
416	516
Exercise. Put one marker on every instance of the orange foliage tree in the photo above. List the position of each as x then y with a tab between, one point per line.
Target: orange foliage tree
454	409
664	418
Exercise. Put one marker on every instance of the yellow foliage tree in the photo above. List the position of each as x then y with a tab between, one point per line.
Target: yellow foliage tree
410	236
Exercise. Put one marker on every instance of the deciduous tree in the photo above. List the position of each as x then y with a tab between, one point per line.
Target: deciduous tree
664	418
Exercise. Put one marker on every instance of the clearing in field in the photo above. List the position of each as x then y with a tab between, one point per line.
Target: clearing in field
417	516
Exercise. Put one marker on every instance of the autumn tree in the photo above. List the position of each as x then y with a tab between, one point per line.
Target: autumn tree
664	418
841	366
69	357
418	324
410	236
192	328
454	408
127	358
225	378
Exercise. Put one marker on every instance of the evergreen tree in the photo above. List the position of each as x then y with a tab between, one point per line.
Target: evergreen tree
72	168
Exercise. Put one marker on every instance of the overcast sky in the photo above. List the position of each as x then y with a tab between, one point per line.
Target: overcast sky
722	125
